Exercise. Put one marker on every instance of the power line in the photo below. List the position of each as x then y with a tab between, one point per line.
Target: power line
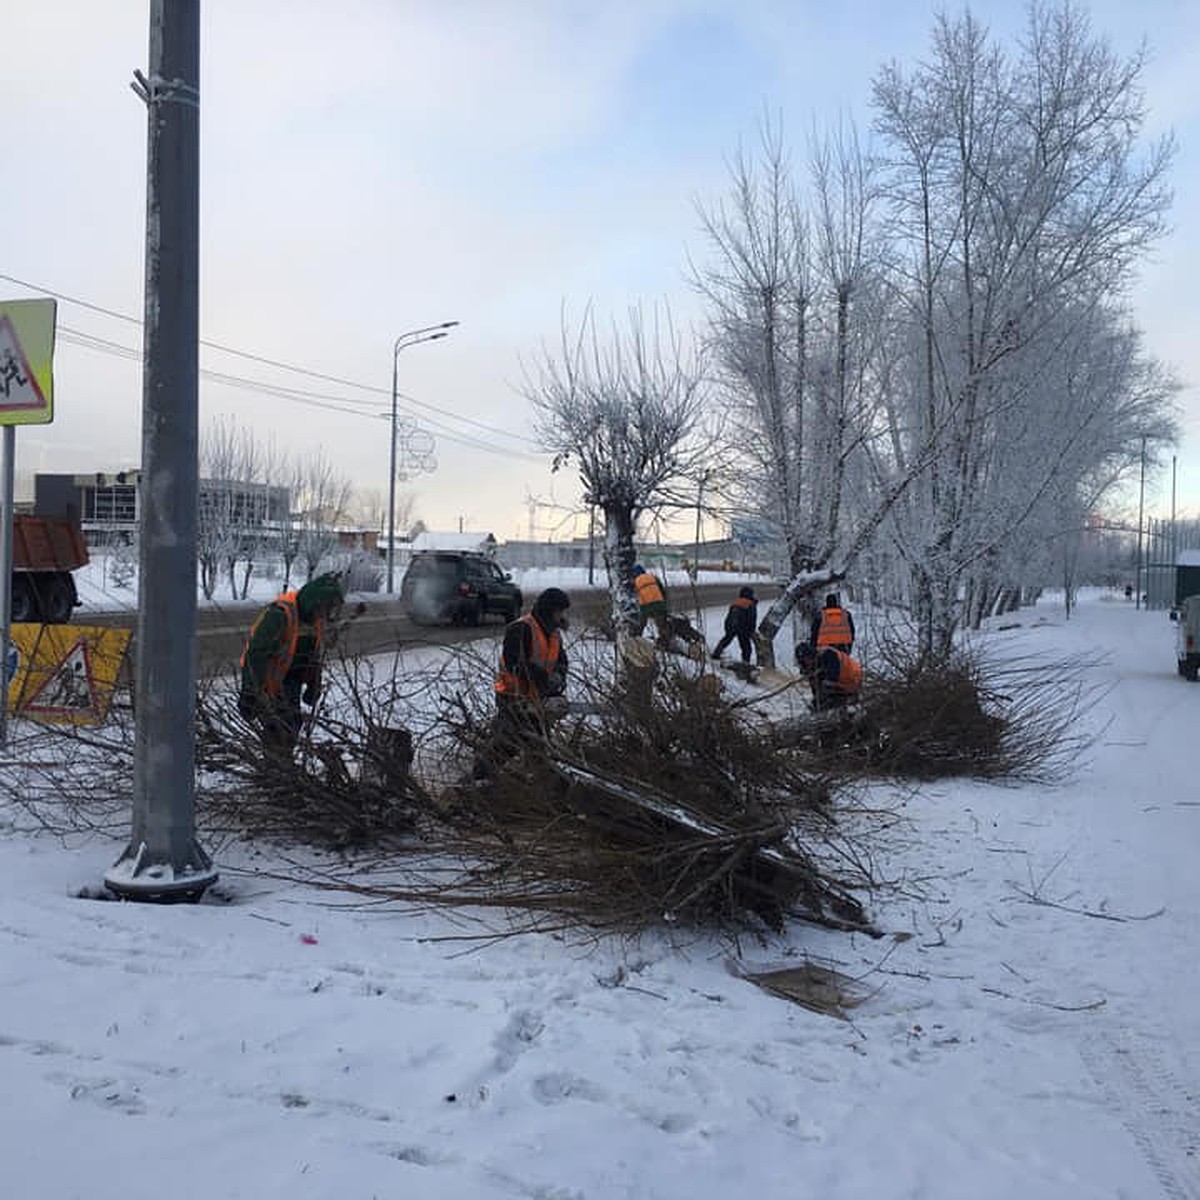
272	362
311	399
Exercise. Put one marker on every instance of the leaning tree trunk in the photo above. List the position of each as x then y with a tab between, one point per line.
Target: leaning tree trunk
802	584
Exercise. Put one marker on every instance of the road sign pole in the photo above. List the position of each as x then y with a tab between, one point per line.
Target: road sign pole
7	454
163	860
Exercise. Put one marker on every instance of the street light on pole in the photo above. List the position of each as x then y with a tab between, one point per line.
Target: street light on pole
414	337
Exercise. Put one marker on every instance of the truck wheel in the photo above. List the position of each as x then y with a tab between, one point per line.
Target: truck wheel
24	601
58	600
1191	673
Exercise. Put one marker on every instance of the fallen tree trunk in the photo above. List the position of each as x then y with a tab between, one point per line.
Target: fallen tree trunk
771	879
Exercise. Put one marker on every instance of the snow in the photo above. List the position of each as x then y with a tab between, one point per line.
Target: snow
1031	1028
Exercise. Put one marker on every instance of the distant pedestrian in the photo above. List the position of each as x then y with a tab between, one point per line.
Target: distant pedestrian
652	603
833	626
740	622
282	661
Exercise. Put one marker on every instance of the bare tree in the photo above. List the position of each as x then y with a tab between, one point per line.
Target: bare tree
369	507
757	283
225	448
626	412
797	327
322	498
240	499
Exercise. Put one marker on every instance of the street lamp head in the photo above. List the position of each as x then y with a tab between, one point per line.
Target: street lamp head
414	337
429	333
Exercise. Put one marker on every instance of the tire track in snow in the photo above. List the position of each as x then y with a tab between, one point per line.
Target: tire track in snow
1155	1106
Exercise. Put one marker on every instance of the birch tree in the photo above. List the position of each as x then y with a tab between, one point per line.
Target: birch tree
796	311
1019	191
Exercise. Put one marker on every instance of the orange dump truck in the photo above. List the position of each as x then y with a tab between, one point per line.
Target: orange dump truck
45	552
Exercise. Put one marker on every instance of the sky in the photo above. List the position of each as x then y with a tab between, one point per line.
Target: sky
1027	1025
400	163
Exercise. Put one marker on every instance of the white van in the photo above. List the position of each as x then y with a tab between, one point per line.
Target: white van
1187	637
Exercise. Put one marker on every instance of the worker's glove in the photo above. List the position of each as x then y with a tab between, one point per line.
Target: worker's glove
310	694
556	707
247	706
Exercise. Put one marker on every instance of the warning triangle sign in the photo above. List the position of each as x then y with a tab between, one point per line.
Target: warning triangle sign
18	385
68	688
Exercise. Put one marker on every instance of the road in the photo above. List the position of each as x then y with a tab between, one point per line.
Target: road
384	626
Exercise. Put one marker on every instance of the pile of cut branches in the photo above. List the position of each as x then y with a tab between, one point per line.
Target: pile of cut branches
347	786
661	801
657	799
1020	718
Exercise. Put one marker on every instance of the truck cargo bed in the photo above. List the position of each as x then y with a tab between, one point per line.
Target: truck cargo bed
48	544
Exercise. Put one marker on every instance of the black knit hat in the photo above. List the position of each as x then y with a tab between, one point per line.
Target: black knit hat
747	593
552	600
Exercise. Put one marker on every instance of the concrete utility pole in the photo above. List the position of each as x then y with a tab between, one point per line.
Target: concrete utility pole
163	860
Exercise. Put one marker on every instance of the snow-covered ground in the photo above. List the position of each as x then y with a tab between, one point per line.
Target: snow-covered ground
1032	1029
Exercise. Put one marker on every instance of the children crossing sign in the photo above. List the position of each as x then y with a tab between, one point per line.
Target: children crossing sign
65	674
26	362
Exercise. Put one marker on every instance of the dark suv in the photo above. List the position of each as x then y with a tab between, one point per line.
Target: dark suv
458	586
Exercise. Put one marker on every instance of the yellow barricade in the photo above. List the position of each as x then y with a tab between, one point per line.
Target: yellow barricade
65	674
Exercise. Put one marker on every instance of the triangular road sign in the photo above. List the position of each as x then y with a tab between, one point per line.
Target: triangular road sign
18	385
67	689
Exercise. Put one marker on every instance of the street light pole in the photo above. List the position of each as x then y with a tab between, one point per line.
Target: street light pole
699	510
413	337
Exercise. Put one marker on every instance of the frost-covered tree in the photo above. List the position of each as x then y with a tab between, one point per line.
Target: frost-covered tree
625	411
757	284
240	477
1021	199
798	333
322	499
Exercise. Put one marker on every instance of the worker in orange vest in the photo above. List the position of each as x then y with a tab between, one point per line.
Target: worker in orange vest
531	681
833	626
652	603
740	622
835	677
282	659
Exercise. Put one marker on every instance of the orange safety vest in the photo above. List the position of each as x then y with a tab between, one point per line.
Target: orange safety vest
850	674
835	628
281	661
543	653
648	591
742	602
